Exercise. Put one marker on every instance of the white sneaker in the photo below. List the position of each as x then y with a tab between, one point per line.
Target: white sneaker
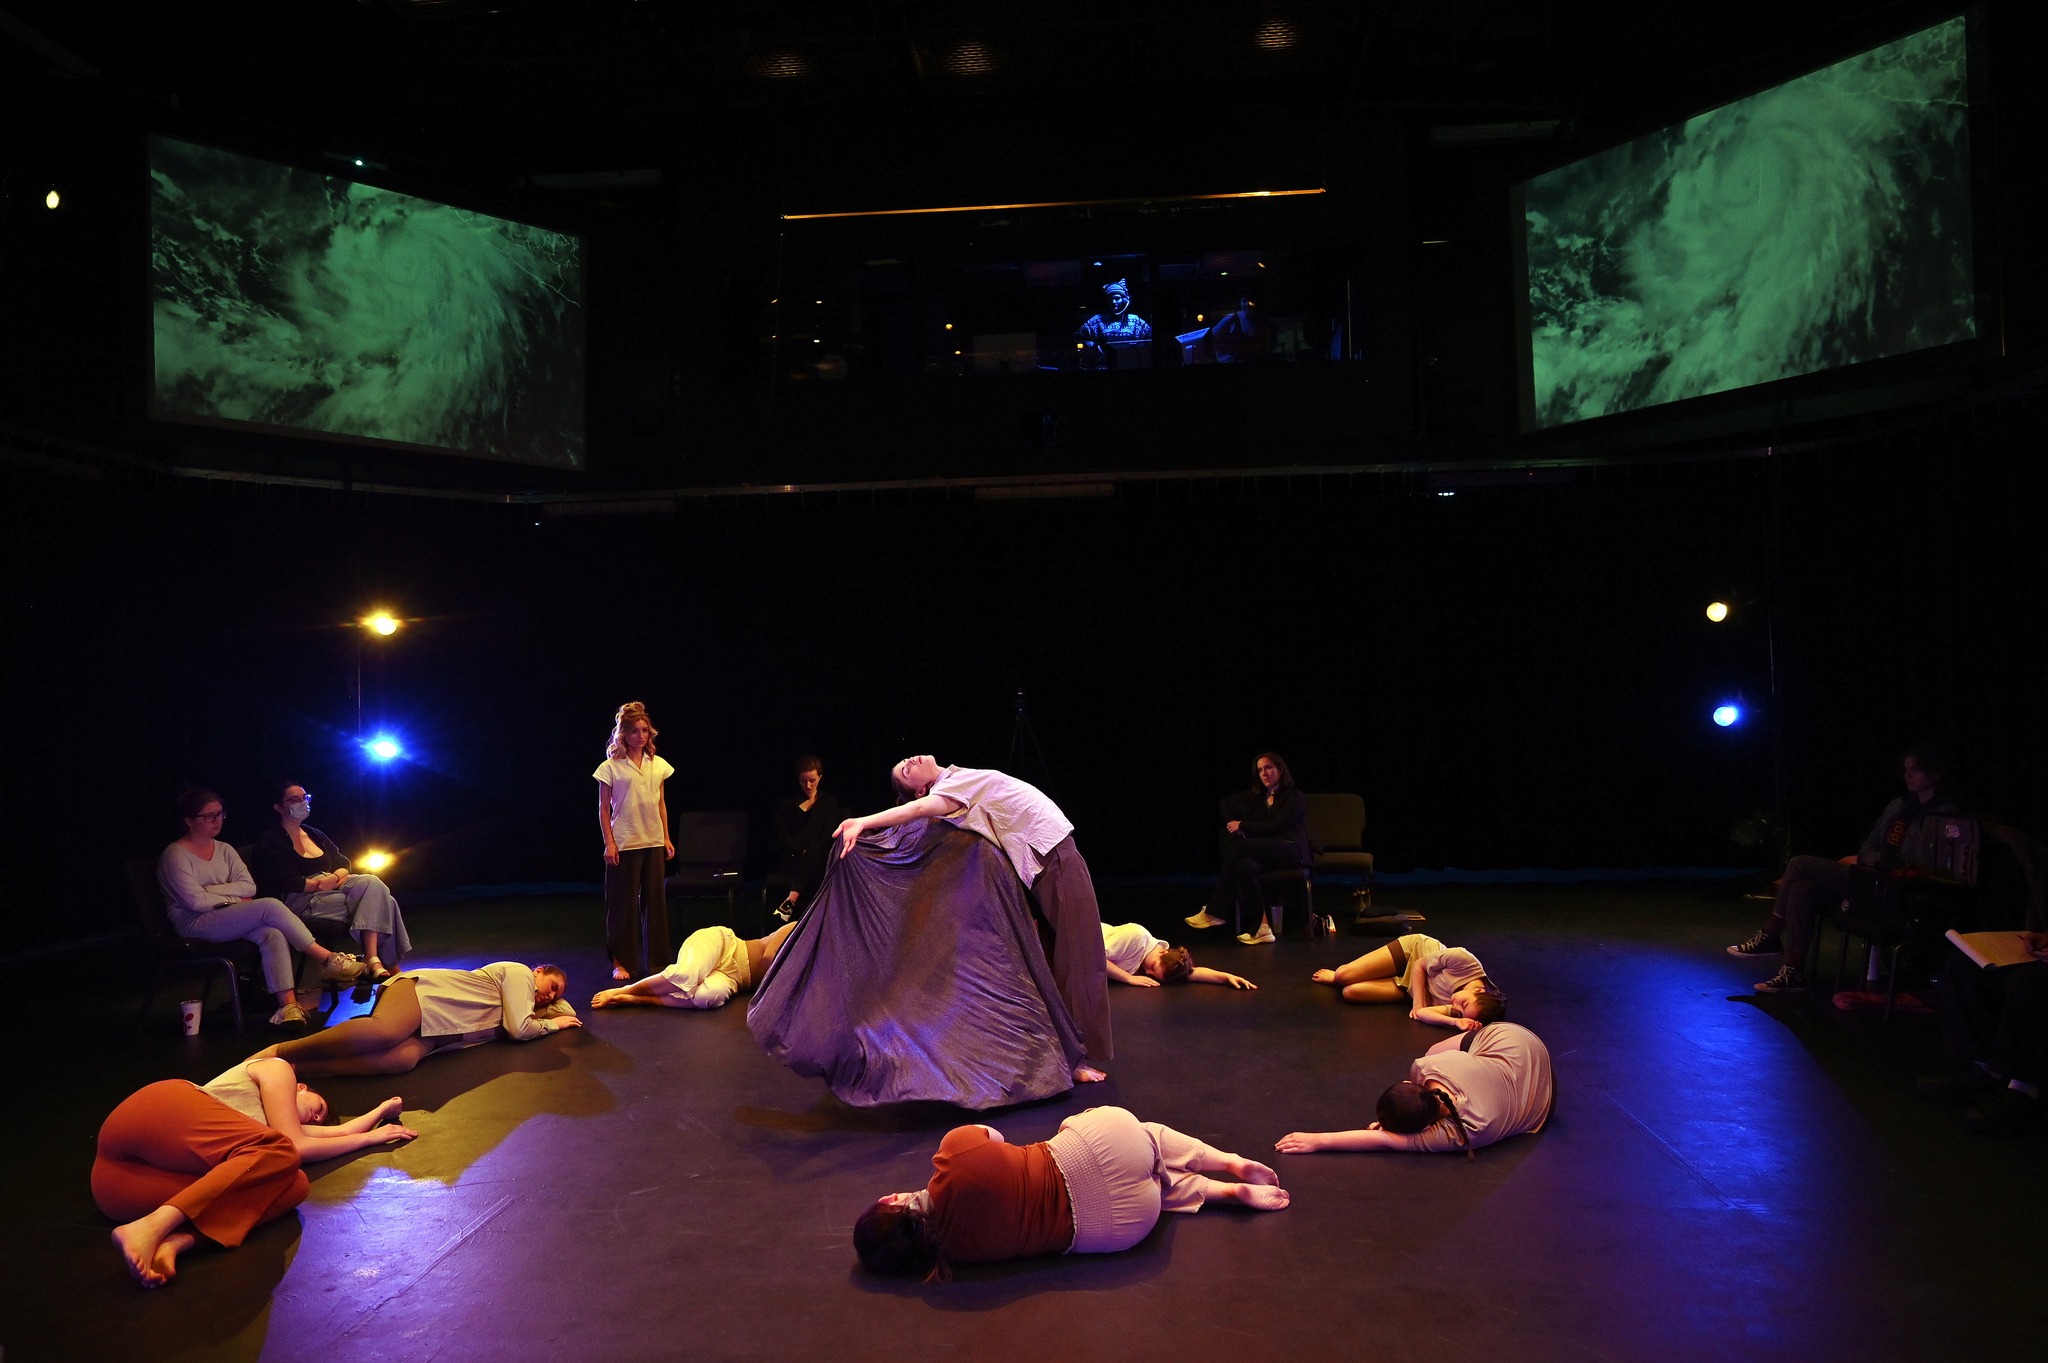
1202	919
291	1017
1257	939
342	967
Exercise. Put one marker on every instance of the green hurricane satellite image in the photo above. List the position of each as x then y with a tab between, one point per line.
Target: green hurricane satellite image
1820	223
290	299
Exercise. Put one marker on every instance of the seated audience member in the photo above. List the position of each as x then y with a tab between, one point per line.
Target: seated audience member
1095	1188
1264	829
424	1011
177	1162
1466	1092
1812	885
209	894
1135	956
1995	1031
803	837
303	867
1443	986
711	966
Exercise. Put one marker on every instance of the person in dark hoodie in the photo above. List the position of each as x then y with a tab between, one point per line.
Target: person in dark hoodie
1265	829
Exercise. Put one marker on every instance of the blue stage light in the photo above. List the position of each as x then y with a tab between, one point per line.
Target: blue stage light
1727	715
383	748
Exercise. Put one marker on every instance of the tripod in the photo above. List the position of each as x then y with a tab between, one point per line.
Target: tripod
1021	730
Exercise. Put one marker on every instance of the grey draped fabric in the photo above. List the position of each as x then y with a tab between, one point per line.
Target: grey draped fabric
918	976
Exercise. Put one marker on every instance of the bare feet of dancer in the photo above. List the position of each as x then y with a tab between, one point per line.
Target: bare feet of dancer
620	972
1088	1074
617	998
1250	1171
1260	1197
150	1245
1324	977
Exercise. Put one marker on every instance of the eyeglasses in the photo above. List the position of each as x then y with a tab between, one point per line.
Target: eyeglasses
214	814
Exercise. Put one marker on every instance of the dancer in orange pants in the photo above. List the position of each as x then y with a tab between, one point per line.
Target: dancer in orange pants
177	1161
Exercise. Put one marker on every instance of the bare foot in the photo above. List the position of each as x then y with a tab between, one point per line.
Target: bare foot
1262	1197
1251	1171
1088	1074
1324	977
620	972
142	1242
603	998
166	1260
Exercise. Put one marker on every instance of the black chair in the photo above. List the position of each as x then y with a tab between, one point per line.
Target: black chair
711	852
1906	913
328	933
171	954
1336	831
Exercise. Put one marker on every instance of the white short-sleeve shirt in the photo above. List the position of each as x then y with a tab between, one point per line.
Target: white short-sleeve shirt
1126	946
1014	815
635	799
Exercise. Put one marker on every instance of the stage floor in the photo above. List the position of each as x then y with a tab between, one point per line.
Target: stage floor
1725	1176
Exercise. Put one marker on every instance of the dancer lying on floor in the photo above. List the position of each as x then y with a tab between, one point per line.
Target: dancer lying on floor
179	1161
424	1011
1464	1092
711	966
1038	840
1135	956
1443	986
1095	1188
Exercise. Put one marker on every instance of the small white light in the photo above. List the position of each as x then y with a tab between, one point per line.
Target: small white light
52	199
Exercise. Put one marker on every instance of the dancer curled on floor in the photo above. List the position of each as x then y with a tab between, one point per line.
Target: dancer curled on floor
1135	956
178	1162
1465	1092
711	966
424	1011
209	894
1443	986
1264	829
306	869
1095	1188
1038	840
1813	885
632	813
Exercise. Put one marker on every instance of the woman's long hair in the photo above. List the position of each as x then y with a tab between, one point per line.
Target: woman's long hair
630	713
1409	1109
900	1242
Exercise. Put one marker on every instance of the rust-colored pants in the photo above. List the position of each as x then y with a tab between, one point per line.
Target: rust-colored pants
172	1143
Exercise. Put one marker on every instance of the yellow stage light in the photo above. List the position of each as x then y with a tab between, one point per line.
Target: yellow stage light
1717	611
383	622
52	199
374	862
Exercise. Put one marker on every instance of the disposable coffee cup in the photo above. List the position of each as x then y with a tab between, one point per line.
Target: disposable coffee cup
190	1010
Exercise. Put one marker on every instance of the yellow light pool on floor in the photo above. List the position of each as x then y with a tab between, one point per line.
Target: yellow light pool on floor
374	862
1717	611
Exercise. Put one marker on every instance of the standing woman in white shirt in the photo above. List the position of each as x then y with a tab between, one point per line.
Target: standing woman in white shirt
632	812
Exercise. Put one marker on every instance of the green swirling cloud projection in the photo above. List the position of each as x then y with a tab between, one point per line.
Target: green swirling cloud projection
302	302
1823	222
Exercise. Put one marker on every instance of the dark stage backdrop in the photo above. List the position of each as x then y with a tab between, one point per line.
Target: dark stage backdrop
1511	677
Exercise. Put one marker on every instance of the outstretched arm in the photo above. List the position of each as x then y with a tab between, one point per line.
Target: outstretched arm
1444	1015
278	1084
924	807
1201	974
1371	1138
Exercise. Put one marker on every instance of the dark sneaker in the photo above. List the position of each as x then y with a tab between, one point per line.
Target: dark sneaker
1788	980
2005	1113
1966	1085
1762	944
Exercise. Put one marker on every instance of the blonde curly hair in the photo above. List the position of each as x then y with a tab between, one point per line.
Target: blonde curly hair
632	712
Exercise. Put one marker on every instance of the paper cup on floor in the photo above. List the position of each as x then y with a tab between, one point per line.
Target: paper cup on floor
190	1010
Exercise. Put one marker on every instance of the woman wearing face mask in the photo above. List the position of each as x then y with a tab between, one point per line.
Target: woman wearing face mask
210	894
303	867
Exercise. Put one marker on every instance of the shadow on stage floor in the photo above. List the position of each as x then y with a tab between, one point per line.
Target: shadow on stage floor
1725	1176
